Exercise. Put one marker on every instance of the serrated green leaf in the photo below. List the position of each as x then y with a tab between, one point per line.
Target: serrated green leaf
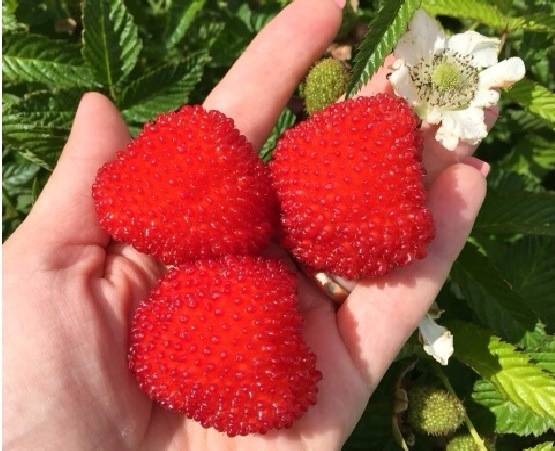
546	446
487	13
540	346
230	43
490	296
535	22
529	267
507	181
62	101
504	5
203	35
111	43
511	372
15	175
44	132
517	212
156	6
384	32
8	209
534	49
545	356
36	188
286	120
533	157
9	20
255	19
509	417
543	152
37	125
481	11
535	98
525	120
32	157
8	100
180	17
34	58
163	89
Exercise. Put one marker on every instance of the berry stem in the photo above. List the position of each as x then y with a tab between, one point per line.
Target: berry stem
470	426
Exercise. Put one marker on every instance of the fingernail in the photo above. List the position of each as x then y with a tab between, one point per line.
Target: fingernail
476	163
340	3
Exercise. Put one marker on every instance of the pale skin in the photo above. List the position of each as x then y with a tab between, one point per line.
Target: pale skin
69	291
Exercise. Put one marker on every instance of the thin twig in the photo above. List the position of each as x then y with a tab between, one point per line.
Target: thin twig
477	439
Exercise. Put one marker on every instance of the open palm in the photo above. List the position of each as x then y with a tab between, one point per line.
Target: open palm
69	292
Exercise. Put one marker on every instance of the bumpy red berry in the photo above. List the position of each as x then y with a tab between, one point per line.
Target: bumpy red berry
220	341
349	180
189	186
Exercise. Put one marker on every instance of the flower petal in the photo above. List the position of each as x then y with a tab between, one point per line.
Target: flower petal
403	86
464	125
503	74
485	98
423	37
437	340
402	83
432	115
483	50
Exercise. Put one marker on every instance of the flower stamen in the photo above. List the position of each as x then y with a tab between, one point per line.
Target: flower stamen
448	81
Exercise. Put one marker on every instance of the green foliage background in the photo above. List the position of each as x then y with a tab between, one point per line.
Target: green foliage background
151	56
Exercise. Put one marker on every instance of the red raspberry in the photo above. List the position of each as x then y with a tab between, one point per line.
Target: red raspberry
349	180
189	186
220	341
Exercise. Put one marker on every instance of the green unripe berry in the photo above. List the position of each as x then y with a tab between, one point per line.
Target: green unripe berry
434	411
325	83
462	443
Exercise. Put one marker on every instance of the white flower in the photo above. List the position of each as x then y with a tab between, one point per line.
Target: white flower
451	79
437	340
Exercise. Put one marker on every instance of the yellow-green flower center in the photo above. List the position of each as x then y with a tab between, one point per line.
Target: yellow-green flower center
446	75
447	81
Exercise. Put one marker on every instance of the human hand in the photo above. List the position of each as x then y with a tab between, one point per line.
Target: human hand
69	292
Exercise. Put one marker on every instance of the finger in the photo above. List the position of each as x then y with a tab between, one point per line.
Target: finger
261	81
64	212
128	277
380	315
436	157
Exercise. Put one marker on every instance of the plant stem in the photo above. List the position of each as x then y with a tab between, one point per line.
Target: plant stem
473	432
